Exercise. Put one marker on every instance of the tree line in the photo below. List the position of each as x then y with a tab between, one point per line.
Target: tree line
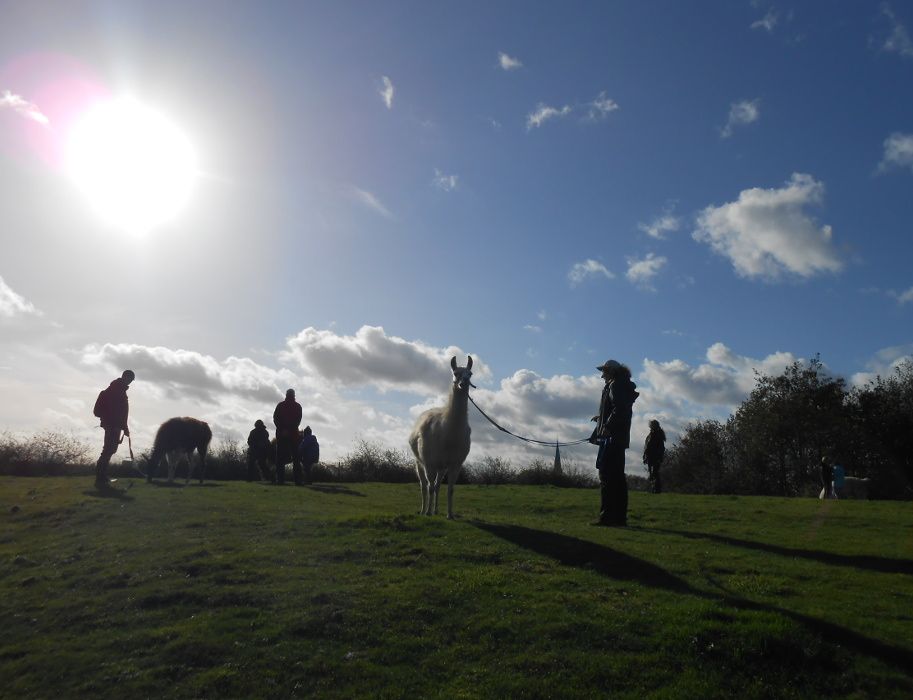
774	442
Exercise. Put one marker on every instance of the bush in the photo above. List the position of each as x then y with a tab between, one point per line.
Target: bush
490	471
48	453
372	462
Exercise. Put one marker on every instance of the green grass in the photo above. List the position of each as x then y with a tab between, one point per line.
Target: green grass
238	590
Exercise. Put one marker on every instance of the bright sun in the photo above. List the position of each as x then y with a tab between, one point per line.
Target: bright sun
136	168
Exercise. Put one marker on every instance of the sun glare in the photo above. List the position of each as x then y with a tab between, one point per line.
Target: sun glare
136	168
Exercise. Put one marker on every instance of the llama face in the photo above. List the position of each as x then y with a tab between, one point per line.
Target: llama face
461	375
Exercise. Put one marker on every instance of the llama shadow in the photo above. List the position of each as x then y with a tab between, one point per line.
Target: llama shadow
334	489
605	561
885	565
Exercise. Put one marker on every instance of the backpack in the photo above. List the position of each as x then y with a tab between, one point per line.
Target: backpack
102	403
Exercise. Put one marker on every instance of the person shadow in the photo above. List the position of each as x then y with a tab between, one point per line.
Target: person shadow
885	565
610	563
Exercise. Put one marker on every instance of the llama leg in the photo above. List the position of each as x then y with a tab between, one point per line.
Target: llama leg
171	466
423	485
437	489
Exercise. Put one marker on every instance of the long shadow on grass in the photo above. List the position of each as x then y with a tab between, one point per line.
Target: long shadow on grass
572	551
862	561
334	489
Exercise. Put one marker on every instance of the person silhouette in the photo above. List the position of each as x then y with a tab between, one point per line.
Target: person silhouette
654	451
112	408
613	435
287	418
308	452
257	451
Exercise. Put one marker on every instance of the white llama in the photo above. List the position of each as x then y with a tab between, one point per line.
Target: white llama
440	441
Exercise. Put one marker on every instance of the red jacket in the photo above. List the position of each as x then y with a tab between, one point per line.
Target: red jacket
287	418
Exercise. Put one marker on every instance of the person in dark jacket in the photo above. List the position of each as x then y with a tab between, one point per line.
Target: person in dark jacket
287	418
257	451
613	435
112	408
654	451
308	452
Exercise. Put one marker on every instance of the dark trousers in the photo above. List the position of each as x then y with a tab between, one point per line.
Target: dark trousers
112	442
287	447
256	466
613	491
653	475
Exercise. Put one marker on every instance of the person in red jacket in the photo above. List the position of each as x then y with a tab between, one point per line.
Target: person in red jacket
287	418
112	407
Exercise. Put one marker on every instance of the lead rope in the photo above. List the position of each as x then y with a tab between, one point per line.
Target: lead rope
526	439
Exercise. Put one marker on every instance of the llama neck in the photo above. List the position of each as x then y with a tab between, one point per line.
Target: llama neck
457	406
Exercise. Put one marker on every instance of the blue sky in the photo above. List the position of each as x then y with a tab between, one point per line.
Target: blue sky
698	190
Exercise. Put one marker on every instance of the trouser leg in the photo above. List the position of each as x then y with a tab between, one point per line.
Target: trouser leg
605	496
112	440
612	478
282	452
251	466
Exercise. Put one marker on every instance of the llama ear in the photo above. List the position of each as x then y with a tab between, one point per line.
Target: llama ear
469	362
453	363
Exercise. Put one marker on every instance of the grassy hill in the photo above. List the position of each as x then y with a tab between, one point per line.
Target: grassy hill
238	590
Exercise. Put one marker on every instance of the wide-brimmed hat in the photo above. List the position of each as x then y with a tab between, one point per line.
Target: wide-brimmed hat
609	364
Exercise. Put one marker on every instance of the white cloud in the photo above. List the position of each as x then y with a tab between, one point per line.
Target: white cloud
898	152
600	107
898	40
767	22
12	304
386	91
509	63
447	183
373	358
661	225
371	201
22	106
532	328
641	272
766	233
186	373
542	315
723	381
543	113
883	364
741	113
905	297
588	268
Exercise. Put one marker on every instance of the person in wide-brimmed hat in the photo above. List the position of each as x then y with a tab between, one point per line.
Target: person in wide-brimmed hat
613	435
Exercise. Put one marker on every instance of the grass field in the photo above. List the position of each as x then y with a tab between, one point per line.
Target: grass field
237	590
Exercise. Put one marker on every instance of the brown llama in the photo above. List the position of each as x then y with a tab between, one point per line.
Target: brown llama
176	439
